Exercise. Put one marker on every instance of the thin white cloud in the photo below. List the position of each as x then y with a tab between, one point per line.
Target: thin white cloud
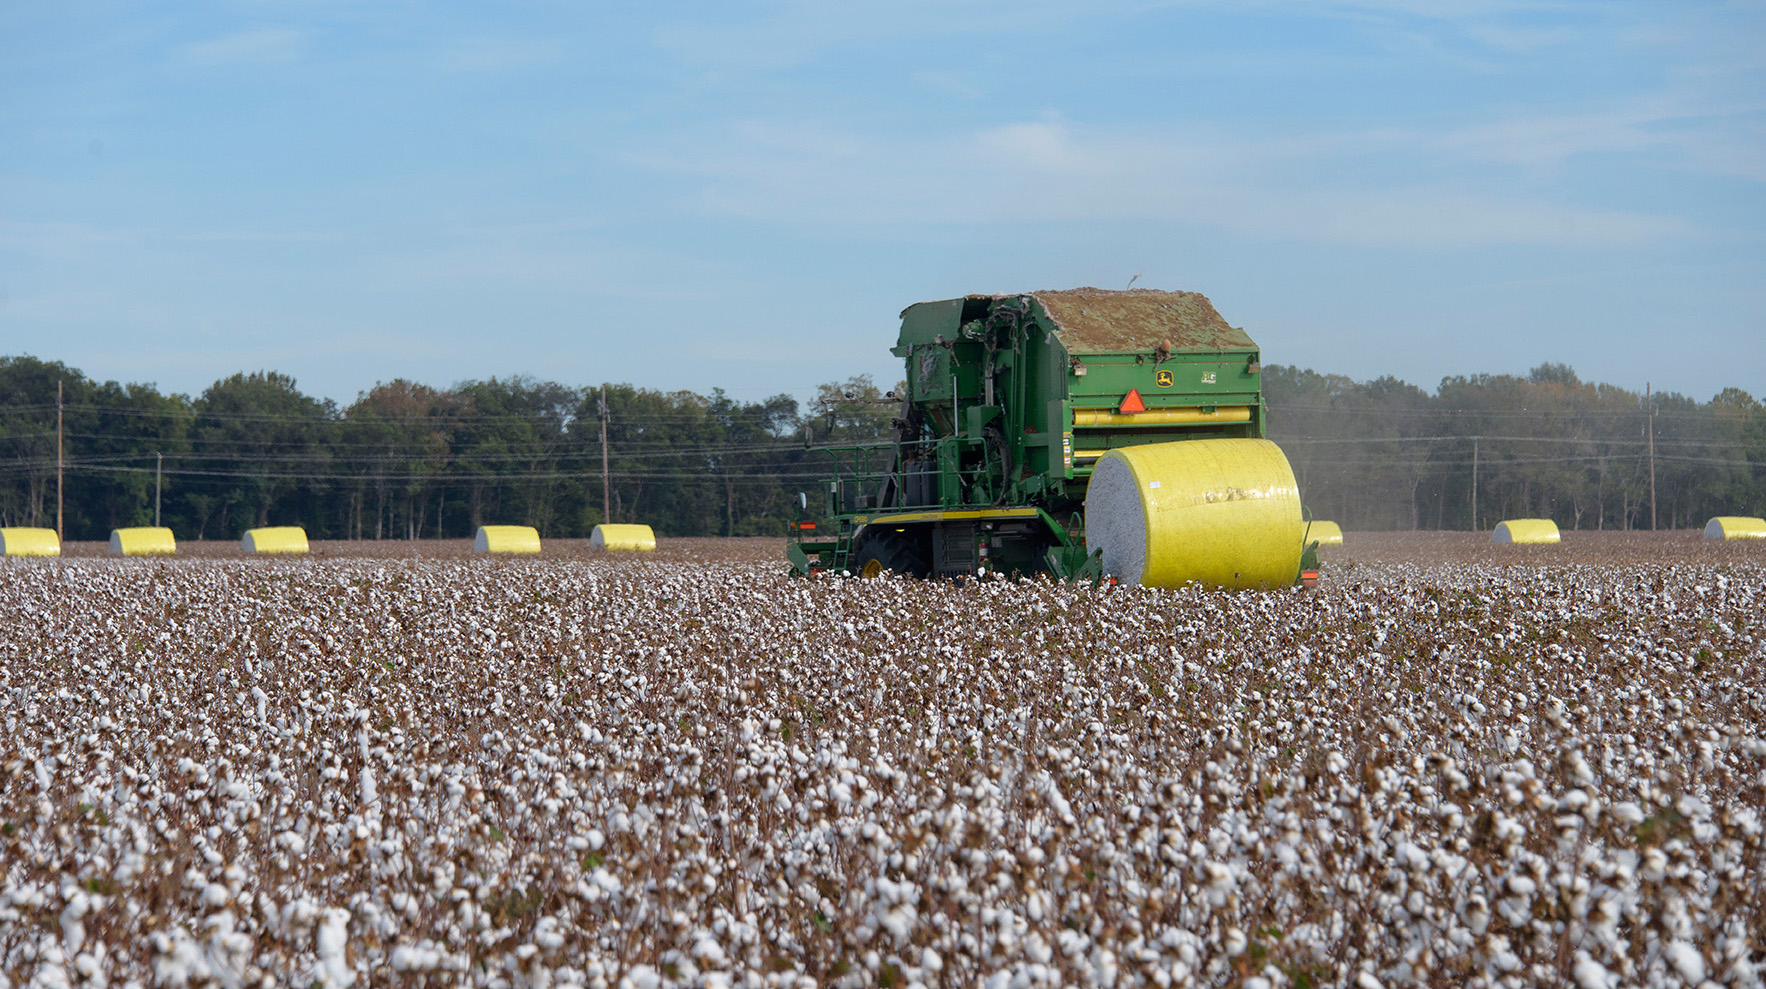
950	82
499	54
1051	171
259	46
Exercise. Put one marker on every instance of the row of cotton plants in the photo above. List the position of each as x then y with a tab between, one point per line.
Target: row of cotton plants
643	774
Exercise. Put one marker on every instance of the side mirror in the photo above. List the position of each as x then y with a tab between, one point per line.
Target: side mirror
803	500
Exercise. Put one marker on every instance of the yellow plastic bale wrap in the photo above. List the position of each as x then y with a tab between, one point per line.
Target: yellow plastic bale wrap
21	541
506	539
1225	513
1533	531
1324	534
142	540
1735	527
627	538
275	539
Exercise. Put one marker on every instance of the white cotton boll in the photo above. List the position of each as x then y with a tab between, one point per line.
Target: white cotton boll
1589	974
930	961
1654	864
73	927
641	977
178	960
1628	813
1235	942
331	945
1366	980
1687	961
369	794
547	934
1476	914
707	951
406	958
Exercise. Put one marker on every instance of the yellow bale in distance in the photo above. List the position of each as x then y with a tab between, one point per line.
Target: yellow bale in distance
275	539
1324	534
1222	512
1531	531
506	539
29	541
623	538
1735	527
142	540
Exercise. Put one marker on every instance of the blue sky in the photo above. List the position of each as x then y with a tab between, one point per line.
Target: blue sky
744	195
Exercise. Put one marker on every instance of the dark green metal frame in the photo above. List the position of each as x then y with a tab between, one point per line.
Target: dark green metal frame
1008	404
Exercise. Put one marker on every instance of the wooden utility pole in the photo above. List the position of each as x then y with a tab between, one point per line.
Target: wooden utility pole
1651	426
1475	484
159	462
606	487
58	463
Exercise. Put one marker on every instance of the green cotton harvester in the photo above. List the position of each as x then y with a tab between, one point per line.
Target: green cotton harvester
1083	433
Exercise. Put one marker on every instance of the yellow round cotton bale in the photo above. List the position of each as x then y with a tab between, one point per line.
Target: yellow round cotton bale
1735	527
29	541
275	539
142	540
1531	531
1324	534
506	539
1222	512
626	538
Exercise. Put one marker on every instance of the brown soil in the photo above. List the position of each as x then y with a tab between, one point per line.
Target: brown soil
1577	548
690	550
1680	546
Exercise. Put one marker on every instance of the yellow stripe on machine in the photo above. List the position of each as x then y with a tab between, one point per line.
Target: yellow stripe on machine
940	516
1161	417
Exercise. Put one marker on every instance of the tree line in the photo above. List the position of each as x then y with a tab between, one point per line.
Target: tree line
407	460
1385	454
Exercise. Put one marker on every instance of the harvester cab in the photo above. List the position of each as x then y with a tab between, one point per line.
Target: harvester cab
1083	433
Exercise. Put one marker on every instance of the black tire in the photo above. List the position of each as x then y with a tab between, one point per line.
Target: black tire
897	552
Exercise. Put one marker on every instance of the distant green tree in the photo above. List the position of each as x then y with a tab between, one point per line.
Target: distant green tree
261	442
27	435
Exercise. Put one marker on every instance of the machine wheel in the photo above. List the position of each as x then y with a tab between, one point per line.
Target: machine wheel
899	552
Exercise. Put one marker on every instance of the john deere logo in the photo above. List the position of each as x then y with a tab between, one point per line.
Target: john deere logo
1163	379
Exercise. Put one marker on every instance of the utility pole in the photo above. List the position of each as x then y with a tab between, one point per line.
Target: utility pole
159	462
1475	483
58	463
606	488
1651	426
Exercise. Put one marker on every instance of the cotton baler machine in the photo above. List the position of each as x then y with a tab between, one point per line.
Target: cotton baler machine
1084	433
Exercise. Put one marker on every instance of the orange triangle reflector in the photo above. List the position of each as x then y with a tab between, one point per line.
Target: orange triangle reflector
1131	402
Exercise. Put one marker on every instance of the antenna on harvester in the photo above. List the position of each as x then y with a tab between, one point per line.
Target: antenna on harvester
1131	282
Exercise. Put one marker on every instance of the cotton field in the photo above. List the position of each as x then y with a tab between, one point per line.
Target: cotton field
644	773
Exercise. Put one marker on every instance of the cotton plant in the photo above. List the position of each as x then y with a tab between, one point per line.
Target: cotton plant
635	773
